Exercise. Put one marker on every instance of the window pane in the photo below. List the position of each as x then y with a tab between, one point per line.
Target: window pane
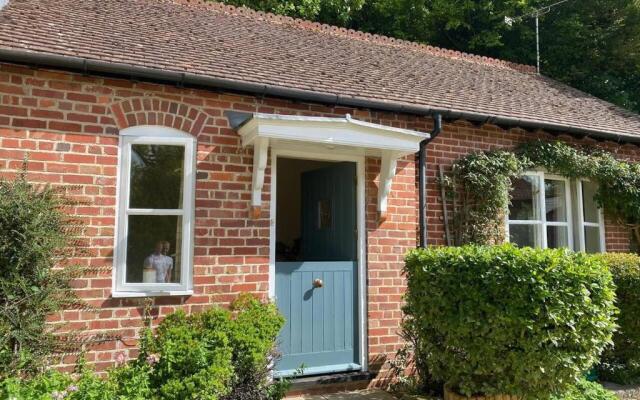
325	216
153	249
524	235
156	176
591	213
557	237
592	239
524	199
555	200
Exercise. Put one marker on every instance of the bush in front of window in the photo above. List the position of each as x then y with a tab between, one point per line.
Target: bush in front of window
502	320
217	354
621	363
193	355
36	236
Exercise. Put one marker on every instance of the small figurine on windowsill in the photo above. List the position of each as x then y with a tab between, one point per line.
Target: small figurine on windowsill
158	265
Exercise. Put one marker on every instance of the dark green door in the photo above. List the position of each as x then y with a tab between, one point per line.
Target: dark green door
317	295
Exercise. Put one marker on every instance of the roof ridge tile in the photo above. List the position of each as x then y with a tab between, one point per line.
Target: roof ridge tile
360	35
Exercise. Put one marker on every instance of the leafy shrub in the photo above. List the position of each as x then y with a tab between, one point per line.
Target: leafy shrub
131	381
53	385
42	387
486	179
216	354
253	334
194	356
508	320
621	363
35	234
586	390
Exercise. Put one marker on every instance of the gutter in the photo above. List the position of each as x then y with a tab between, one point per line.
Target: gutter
422	178
127	71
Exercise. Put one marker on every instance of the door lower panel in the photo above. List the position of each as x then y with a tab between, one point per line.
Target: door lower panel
320	330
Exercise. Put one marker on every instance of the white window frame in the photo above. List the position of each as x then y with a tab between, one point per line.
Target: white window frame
581	223
542	223
154	135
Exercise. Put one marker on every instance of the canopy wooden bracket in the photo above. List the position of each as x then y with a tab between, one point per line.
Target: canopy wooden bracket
387	173
260	156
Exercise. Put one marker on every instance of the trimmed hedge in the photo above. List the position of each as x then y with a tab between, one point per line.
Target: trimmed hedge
506	320
621	363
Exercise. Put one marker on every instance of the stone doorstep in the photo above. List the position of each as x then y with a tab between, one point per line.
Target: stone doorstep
328	384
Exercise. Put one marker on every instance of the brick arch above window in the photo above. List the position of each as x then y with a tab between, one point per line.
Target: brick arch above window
155	111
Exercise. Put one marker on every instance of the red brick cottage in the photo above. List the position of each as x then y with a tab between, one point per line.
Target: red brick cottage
221	151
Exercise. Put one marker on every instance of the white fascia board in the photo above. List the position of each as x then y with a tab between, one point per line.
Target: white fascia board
331	131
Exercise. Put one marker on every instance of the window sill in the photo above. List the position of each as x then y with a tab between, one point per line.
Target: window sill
151	293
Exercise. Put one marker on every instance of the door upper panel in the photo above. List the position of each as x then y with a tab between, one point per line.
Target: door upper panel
329	213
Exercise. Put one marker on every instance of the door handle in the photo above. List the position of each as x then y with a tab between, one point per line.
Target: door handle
317	283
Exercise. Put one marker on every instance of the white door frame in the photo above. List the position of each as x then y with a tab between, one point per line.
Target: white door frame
320	154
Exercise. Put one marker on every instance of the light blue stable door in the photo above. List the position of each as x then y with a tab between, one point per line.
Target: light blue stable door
317	296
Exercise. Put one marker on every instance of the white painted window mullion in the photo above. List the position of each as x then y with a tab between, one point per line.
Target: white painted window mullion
567	202
542	210
581	221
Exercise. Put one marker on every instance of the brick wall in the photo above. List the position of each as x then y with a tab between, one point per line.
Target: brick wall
461	137
68	126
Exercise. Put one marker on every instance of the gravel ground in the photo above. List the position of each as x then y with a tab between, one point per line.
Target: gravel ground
631	392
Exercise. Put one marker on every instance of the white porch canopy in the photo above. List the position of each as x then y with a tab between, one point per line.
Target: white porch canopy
336	134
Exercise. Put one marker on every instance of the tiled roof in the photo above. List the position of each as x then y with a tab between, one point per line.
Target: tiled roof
237	44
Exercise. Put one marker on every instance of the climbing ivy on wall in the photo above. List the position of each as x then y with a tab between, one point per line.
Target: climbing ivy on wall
478	187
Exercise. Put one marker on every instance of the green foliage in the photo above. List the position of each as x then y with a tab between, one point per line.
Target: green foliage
255	329
593	45
36	235
508	320
485	179
41	387
194	356
53	385
127	382
586	390
471	26
131	381
482	181
619	180
216	354
621	364
337	12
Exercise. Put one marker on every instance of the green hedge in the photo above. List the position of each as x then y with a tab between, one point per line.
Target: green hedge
214	355
621	363
508	320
